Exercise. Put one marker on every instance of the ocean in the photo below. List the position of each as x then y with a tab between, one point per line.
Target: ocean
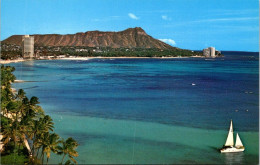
143	111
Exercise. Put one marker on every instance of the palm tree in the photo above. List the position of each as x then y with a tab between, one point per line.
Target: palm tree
42	142
6	75
23	118
31	107
34	100
25	105
40	128
38	141
12	107
21	94
8	133
6	79
48	123
51	144
33	135
69	147
6	97
25	129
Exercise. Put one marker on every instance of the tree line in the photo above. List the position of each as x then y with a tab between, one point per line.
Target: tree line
100	51
23	120
133	52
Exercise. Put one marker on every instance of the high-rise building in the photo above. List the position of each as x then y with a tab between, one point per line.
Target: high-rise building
206	52
28	46
209	52
212	52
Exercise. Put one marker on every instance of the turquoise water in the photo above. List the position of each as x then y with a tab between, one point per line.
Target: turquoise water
146	110
119	141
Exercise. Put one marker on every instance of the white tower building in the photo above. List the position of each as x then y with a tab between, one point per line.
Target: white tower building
28	46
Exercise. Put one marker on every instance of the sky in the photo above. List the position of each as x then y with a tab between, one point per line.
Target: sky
187	24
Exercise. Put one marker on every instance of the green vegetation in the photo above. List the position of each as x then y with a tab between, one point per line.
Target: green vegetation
22	119
14	159
10	55
14	51
14	155
126	52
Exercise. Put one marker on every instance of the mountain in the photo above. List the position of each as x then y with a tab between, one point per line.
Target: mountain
129	38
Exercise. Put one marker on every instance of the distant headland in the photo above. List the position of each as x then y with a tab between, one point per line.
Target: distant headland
129	38
132	42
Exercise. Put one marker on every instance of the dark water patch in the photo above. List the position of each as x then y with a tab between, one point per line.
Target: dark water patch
31	87
27	76
25	69
41	66
83	138
143	118
63	78
71	68
86	99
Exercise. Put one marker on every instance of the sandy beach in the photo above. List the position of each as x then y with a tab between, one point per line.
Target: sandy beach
11	61
74	58
198	56
138	57
122	57
88	58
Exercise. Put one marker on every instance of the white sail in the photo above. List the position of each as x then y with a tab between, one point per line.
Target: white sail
238	142
230	139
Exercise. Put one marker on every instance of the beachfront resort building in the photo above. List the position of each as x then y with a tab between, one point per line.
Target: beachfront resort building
209	52
28	46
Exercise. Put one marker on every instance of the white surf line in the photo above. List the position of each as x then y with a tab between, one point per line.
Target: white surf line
19	81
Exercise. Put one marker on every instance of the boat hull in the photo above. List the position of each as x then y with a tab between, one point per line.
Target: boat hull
232	149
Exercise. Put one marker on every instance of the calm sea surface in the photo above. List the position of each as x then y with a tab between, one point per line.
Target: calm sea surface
147	110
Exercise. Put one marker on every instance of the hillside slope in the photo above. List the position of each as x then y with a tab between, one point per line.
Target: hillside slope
129	38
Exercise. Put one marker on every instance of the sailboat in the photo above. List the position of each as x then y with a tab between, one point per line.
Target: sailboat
229	145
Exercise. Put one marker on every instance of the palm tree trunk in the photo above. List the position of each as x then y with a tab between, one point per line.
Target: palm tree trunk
15	131
37	152
14	138
41	154
33	148
47	160
63	158
42	158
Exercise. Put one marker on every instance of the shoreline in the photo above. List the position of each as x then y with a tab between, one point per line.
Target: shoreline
11	61
87	58
122	57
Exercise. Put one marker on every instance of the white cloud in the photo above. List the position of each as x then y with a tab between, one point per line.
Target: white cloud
165	17
168	41
131	15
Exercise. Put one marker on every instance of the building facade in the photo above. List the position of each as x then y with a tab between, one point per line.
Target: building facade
206	52
28	46
209	52
212	52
